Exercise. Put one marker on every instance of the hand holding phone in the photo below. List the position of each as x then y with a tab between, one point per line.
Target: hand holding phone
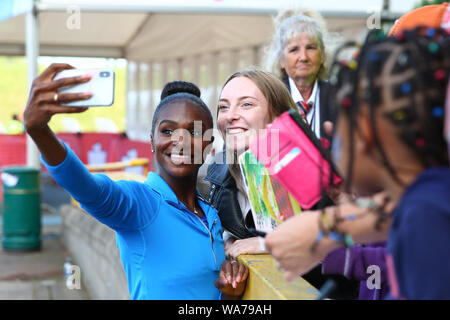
101	86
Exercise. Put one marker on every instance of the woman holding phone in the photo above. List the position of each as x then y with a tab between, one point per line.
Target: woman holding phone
169	237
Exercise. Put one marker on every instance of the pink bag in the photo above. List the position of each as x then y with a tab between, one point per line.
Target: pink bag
292	153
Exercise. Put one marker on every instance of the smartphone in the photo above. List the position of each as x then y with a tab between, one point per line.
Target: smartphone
101	85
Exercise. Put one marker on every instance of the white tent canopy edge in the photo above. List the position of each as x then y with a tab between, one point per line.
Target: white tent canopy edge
250	7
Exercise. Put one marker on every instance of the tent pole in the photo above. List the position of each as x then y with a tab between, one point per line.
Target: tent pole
32	53
151	100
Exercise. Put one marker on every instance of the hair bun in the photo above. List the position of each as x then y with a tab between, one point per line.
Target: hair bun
180	87
286	14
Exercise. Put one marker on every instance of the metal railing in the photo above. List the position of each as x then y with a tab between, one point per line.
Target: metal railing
111	170
114	166
265	281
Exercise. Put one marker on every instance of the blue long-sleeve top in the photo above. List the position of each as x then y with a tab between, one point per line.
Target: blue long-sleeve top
167	251
418	254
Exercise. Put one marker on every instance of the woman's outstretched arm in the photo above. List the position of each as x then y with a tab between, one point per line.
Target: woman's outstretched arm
109	202
43	103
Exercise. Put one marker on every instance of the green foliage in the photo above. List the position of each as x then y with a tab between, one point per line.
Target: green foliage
13	97
13	87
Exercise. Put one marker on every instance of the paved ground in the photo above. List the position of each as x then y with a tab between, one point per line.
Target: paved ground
39	275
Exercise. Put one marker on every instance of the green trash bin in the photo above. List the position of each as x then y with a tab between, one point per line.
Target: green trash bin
21	209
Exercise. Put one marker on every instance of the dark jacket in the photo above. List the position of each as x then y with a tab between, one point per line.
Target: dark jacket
223	196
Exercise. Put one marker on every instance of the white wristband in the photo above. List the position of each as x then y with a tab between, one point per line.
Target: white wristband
262	243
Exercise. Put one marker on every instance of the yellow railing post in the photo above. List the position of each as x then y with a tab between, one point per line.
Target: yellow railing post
266	282
138	162
120	175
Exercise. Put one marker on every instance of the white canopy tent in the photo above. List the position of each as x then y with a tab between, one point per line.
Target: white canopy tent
199	40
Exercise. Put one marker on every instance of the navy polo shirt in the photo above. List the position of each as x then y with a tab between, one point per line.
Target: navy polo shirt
418	255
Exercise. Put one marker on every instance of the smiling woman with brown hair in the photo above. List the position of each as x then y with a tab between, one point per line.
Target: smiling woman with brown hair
249	101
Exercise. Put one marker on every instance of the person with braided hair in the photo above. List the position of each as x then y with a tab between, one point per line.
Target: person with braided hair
389	138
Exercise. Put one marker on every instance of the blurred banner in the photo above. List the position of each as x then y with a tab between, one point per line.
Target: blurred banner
11	8
91	148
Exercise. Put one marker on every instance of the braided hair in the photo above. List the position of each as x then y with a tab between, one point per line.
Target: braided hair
405	78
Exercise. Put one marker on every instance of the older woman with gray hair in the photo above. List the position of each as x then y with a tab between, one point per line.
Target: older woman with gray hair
297	56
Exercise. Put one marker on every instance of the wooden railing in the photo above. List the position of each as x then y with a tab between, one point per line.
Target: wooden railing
114	166
266	282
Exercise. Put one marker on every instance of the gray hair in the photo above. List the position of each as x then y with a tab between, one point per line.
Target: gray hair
288	29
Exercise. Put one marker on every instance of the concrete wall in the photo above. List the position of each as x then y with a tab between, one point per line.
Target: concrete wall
92	246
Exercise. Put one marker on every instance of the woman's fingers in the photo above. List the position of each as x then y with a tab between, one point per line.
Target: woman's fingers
45	83
228	253
290	276
44	100
328	128
228	243
53	69
47	86
232	278
244	246
63	82
233	272
227	270
242	273
234	250
68	97
50	102
59	109
235	267
238	273
56	98
220	282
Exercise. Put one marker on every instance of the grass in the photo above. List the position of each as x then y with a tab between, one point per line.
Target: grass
13	97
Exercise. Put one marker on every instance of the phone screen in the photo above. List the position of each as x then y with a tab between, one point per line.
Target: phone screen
101	86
